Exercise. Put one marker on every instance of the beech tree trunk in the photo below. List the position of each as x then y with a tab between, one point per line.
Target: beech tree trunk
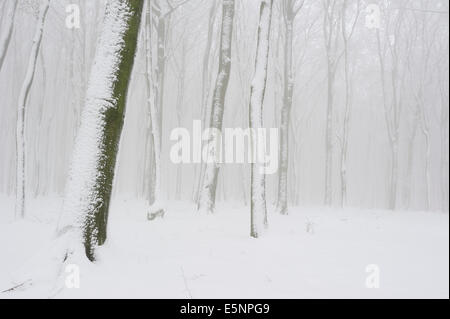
258	89
208	191
86	205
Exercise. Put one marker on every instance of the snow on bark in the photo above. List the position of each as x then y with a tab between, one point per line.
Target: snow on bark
258	180
208	191
290	11
88	192
6	39
153	86
21	112
206	79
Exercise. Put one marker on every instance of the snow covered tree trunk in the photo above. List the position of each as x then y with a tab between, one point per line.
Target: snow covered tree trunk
89	187
21	112
6	38
206	78
290	10
40	130
285	121
161	14
155	100
258	89
150	91
208	191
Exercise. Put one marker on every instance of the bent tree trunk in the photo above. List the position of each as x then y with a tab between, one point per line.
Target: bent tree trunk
21	111
89	187
258	182
208	191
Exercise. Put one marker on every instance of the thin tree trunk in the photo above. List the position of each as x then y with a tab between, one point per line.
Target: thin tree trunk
426	134
150	175
392	122
206	78
285	119
290	11
40	130
179	107
410	162
6	39
87	201
21	112
444	149
329	138
208	191
348	84
258	89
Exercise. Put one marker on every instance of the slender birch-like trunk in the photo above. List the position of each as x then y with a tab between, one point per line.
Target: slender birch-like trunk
40	129
86	205
285	120
150	159
208	191
21	112
258	89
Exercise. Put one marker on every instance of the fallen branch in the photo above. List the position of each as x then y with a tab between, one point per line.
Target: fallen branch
29	281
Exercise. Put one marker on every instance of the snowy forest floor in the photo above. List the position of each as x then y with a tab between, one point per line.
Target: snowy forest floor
313	253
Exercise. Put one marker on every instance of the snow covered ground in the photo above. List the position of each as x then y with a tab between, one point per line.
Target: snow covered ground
313	253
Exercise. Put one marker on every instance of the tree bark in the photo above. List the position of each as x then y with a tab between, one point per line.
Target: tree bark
258	89
290	11
208	191
206	78
87	201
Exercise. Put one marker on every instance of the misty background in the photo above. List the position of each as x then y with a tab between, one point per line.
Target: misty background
397	70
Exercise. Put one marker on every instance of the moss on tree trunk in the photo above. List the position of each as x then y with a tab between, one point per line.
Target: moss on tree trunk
95	223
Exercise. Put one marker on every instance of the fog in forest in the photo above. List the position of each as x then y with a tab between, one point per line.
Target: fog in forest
355	91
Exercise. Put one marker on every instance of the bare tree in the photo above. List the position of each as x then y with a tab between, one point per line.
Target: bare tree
206	79
21	111
86	205
158	16
331	28
258	89
208	191
290	10
391	75
347	34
